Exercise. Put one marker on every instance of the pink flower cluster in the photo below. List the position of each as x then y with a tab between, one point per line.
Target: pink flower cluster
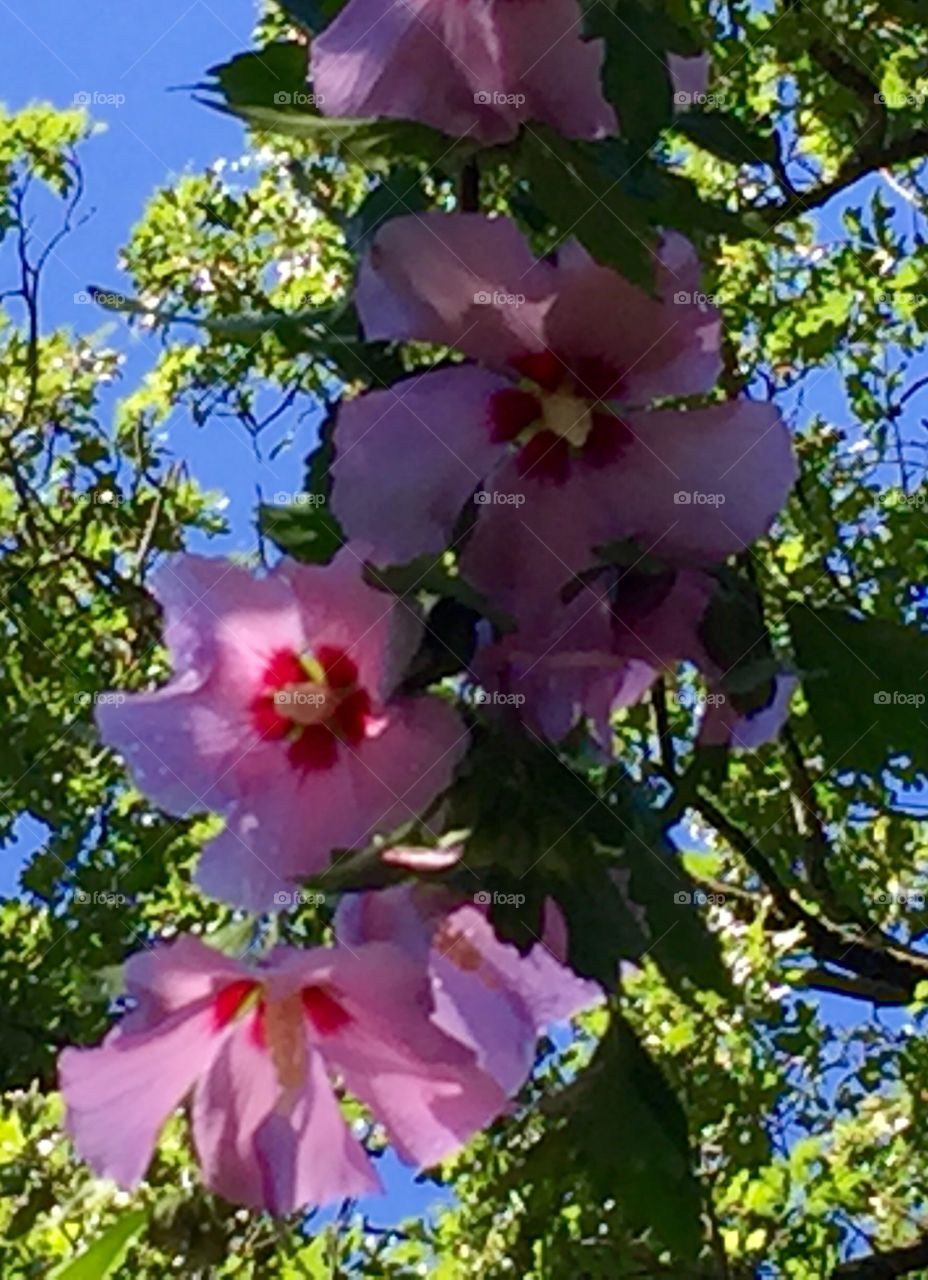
559	423
418	1011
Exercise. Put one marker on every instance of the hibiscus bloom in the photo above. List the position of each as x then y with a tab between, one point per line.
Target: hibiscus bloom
256	1048
605	648
477	69
600	651
282	715
550	415
487	995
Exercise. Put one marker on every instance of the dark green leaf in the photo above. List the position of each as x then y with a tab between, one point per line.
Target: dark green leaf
866	680
728	137
625	1129
275	75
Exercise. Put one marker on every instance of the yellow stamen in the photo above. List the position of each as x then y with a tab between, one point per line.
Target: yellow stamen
569	417
306	703
285	1028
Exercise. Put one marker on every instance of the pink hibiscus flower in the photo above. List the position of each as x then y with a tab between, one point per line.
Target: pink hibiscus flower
478	69
256	1048
282	715
487	996
605	648
601	651
550	414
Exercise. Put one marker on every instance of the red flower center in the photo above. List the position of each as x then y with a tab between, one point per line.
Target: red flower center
279	1026
315	703
558	413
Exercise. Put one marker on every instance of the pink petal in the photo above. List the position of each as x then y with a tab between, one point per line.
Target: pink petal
559	73
119	1095
438	424
689	78
423	859
663	346
460	280
548	991
698	485
187	743
526	548
287	829
475	70
423	1086
339	609
417	60
176	975
271	1149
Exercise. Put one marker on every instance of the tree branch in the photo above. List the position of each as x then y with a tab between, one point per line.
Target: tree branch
885	1266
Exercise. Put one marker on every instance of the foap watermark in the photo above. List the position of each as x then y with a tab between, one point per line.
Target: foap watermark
498	298
684	298
698	899
100	498
298	99
298	898
898	698
487	899
93	98
109	699
896	498
690	698
683	98
299	499
496	498
914	898
910	295
484	699
113	300
300	698
484	98
901	98
100	899
696	498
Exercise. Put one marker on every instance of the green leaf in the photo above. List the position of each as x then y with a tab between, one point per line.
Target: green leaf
361	140
865	682
398	192
668	900
728	137
438	576
736	638
274	75
304	530
107	1251
625	1129
635	76
582	200
312	15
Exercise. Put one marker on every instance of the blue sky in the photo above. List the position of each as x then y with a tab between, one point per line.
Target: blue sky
126	57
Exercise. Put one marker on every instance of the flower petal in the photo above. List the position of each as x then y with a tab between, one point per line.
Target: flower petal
545	58
723	725
287	829
119	1094
702	484
461	280
668	345
423	1086
438	425
339	610
270	1149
